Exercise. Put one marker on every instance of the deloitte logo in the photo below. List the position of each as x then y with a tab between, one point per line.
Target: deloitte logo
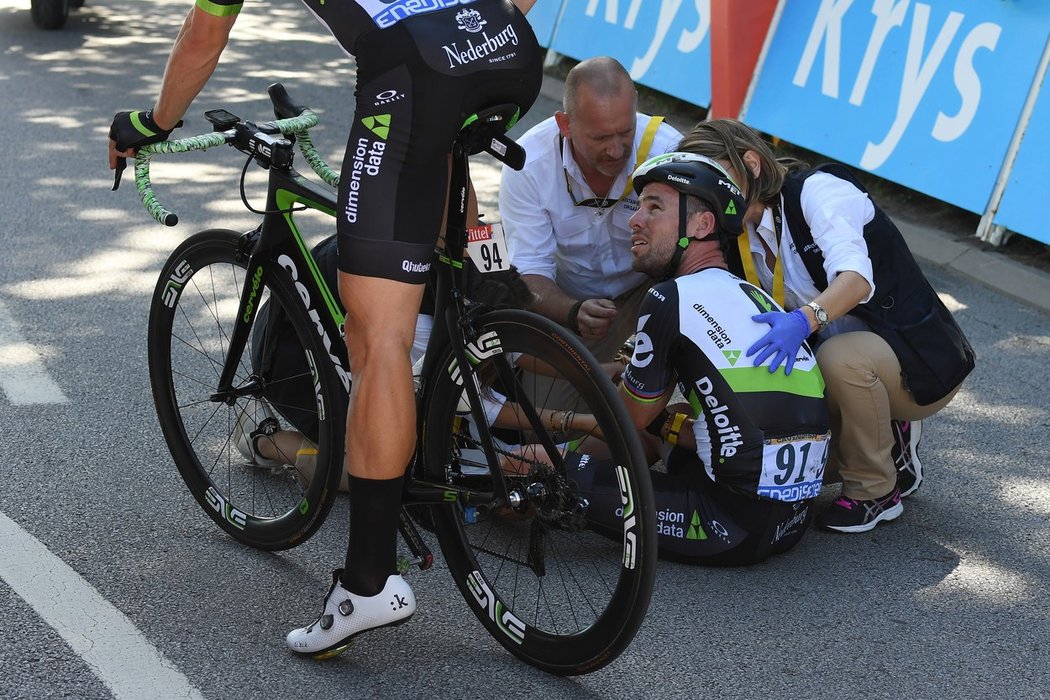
378	125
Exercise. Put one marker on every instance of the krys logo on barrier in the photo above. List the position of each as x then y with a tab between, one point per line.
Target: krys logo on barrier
660	42
937	44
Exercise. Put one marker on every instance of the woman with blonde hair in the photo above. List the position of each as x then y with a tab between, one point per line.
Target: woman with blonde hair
890	352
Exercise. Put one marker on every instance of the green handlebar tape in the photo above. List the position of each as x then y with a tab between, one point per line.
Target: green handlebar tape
295	125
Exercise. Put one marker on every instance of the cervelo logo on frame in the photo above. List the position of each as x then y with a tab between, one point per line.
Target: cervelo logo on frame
366	159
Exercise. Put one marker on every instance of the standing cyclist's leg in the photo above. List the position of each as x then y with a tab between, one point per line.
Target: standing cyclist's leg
410	104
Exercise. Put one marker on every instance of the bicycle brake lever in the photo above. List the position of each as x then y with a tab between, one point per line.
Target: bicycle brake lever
118	171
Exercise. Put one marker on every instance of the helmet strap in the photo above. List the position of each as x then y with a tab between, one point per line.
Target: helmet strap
685	240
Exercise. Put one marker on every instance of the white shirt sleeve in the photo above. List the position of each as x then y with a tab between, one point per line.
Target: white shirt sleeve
528	227
837	212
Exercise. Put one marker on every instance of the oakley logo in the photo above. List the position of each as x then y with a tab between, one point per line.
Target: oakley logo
386	97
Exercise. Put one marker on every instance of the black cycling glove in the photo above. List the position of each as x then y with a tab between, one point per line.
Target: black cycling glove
135	130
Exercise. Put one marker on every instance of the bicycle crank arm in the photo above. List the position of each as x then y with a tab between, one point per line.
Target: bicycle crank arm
421	554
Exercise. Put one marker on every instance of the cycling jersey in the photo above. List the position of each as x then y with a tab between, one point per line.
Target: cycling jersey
423	68
758	433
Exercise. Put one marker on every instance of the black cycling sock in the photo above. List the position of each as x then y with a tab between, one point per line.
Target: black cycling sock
371	553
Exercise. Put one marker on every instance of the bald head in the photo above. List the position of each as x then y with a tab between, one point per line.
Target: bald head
602	78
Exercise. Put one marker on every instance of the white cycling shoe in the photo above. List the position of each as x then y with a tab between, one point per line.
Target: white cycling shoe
254	421
346	615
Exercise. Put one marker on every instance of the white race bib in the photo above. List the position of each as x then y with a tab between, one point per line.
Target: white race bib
793	469
487	248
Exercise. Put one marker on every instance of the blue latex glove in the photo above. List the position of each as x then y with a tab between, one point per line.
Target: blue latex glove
782	341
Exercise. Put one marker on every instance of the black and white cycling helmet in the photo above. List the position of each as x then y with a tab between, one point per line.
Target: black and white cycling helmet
701	177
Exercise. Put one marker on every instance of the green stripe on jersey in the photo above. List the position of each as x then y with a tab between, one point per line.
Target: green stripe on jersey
222	8
754	379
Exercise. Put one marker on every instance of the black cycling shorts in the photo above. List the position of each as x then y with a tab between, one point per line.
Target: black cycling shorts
417	82
698	521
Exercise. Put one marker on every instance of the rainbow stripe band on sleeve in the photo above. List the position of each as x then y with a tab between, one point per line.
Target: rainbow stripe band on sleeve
220	8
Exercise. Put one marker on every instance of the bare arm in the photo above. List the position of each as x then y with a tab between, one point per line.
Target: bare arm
845	291
594	317
192	61
549	300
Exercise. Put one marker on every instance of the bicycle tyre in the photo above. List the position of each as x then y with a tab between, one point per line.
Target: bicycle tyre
599	588
50	14
192	316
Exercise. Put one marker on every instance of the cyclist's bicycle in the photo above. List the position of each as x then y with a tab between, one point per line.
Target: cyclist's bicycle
546	585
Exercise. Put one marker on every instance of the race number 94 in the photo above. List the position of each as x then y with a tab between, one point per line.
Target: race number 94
487	248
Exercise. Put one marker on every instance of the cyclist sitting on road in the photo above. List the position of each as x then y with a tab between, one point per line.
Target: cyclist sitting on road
416	84
740	478
891	352
748	457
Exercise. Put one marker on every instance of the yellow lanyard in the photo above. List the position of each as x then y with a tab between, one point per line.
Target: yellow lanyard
748	261
643	149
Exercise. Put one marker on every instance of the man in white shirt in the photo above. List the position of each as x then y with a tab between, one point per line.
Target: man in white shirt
565	214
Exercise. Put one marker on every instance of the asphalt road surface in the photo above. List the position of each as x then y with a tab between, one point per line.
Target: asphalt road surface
114	584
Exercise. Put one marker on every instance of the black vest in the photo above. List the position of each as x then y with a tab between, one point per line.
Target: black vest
905	310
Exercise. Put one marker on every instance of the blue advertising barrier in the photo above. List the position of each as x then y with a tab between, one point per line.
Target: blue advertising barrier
1023	207
665	47
926	94
543	17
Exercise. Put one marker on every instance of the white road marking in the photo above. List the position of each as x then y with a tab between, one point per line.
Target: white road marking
130	666
23	377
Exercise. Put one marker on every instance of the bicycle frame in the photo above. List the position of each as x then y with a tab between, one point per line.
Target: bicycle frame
493	527
279	242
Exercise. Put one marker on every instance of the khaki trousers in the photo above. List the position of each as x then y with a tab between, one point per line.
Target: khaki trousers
865	391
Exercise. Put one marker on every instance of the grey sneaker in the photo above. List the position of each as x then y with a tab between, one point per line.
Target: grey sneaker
906	436
850	515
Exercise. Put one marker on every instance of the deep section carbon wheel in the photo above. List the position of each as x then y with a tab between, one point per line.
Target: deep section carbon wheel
284	388
546	584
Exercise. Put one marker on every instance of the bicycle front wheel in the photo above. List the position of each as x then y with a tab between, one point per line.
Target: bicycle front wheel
284	384
540	577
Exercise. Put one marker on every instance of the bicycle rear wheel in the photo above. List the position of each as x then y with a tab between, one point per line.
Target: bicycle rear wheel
549	587
284	372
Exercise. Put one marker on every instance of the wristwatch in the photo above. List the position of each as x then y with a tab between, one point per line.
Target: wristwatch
820	315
